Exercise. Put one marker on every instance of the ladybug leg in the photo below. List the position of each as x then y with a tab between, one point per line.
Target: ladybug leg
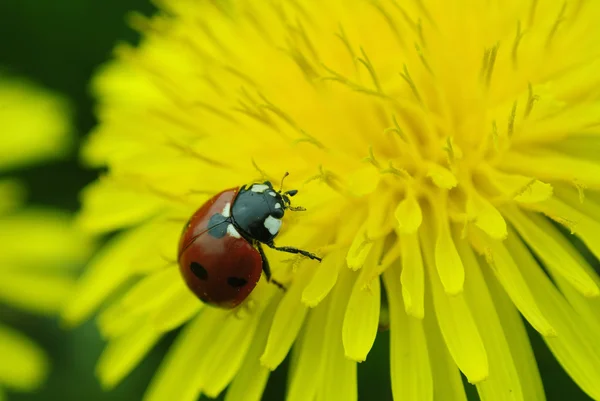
297	208
267	268
265	261
290	249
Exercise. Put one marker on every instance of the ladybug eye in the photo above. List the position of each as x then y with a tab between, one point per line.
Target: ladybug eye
199	271
237	281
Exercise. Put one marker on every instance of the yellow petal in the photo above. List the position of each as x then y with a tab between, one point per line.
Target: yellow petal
324	279
553	166
585	306
378	219
145	296
338	382
586	228
518	187
441	177
412	276
561	121
410	369
390	254
125	353
576	345
114	322
177	309
287	321
41	293
408	215
541	236
172	175
120	83
447	261
110	269
360	248
486	216
167	233
152	289
509	275
535	192
222	359
53	243
183	358
109	205
24	365
446	376
355	223
35	124
363	181
584	144
361	319
456	322
585	201
306	375
503	383
518	341
251	379
578	218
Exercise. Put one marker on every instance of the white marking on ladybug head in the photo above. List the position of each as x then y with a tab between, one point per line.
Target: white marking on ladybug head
232	231
259	188
272	224
277	206
226	210
273	194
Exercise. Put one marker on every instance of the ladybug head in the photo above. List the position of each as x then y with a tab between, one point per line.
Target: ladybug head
287	204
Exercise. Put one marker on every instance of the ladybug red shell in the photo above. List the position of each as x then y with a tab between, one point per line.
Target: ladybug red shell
220	254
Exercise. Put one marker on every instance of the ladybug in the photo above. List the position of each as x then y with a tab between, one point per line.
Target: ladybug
220	251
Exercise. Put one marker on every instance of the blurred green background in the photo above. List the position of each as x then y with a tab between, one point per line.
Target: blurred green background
59	44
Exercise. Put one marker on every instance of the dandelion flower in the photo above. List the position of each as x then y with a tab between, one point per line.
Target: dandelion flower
446	153
36	245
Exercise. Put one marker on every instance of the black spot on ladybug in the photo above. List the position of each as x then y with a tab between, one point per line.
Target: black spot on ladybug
199	270
237	281
217	225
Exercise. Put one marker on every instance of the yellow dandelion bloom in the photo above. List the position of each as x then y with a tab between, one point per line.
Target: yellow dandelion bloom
447	153
36	245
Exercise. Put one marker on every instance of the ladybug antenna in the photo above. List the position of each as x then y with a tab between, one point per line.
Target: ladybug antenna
287	194
283	178
291	192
